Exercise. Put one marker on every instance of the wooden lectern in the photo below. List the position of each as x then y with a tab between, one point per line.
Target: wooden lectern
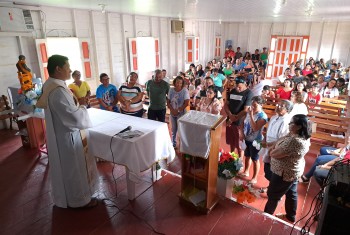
200	135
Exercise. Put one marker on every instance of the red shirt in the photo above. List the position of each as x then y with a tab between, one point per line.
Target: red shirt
346	156
230	53
304	72
284	94
313	99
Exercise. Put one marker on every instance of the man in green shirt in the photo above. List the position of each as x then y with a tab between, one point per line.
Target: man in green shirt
264	57
157	90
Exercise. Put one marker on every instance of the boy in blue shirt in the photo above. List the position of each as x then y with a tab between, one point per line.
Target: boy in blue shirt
106	94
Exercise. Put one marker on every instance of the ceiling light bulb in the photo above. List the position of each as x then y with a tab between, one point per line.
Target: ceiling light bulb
103	8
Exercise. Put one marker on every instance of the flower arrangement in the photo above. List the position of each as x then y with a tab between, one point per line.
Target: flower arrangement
244	191
229	164
28	98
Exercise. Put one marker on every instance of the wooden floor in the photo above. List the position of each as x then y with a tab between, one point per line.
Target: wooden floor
26	205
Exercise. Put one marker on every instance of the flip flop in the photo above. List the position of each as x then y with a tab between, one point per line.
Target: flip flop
263	190
243	174
253	181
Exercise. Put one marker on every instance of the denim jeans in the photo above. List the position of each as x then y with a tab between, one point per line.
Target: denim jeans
157	115
173	121
323	150
320	160
277	188
320	175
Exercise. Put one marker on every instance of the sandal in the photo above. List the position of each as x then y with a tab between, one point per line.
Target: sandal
263	190
304	180
253	181
284	217
242	174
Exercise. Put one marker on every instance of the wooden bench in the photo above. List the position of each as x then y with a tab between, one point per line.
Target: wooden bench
5	110
328	118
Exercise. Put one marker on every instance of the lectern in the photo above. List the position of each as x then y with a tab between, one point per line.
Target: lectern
200	135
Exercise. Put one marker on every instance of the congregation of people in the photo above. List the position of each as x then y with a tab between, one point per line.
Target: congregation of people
237	87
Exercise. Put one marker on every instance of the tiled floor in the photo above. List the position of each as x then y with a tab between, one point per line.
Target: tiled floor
26	206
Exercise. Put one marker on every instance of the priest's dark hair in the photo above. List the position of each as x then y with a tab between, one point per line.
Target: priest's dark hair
54	61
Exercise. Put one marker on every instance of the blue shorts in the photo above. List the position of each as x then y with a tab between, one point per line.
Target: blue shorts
251	151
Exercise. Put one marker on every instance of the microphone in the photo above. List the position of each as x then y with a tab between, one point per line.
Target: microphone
124	130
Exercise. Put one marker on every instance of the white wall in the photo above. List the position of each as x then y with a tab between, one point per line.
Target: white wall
108	37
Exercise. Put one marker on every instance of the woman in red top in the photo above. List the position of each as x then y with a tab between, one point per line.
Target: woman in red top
314	97
307	70
286	91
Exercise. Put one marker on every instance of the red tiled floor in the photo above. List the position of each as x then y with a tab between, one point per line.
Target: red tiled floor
27	208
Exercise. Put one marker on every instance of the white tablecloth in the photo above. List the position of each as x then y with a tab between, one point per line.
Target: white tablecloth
194	130
137	154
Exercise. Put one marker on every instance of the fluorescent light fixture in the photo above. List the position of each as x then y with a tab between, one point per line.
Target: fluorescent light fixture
25	4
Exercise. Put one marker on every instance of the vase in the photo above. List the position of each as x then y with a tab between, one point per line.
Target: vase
224	187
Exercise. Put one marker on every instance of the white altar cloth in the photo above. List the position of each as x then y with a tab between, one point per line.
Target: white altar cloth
194	130
137	154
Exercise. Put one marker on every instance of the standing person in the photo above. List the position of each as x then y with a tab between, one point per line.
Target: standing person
106	94
219	79
210	103
264	57
287	165
208	81
252	126
256	59
130	96
178	99
80	89
277	128
157	90
236	107
238	54
229	53
70	169
165	77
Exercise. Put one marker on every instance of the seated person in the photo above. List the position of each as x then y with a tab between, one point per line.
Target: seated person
106	94
285	91
342	87
80	89
330	90
327	154
267	92
299	107
322	171
314	97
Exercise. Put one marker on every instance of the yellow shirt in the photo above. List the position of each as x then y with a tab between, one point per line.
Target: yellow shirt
81	91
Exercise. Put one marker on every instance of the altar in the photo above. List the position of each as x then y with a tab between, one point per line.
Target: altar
136	154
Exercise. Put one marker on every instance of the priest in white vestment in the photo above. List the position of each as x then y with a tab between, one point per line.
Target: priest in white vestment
71	170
